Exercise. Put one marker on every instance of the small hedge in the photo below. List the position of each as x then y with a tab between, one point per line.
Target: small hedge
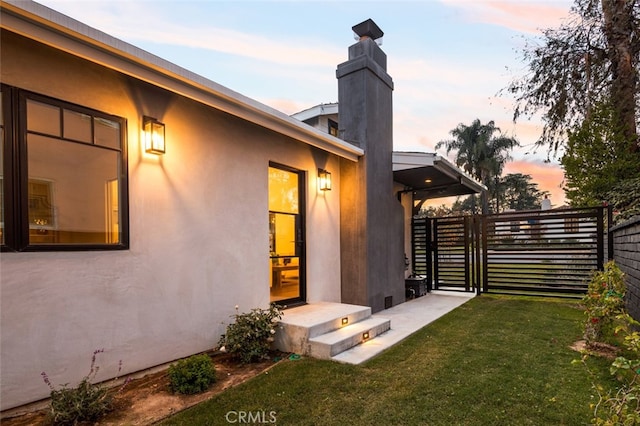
250	336
192	375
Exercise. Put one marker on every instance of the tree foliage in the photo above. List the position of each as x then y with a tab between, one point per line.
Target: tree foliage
625	196
481	150
592	58
598	158
517	192
514	191
435	211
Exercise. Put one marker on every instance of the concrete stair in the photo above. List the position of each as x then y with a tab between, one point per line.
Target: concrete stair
317	329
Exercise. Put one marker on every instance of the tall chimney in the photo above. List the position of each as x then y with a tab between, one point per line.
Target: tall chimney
372	230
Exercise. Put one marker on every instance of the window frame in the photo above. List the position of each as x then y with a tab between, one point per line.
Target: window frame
333	128
16	173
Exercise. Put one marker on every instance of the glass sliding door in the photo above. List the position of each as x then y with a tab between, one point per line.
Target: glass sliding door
286	235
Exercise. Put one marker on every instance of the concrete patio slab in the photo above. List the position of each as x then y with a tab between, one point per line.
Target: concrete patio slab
406	319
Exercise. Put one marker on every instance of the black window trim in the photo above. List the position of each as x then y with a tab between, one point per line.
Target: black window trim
15	179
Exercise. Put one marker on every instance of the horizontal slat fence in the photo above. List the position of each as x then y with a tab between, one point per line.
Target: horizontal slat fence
547	253
541	252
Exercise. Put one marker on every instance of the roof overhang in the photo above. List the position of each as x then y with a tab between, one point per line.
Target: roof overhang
316	111
38	22
430	176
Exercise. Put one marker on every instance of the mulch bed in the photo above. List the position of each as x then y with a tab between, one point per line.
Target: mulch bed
147	400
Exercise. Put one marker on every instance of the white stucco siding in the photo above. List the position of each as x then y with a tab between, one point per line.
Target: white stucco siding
198	236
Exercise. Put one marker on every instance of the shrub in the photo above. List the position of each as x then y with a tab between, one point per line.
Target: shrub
192	375
249	337
603	302
605	307
622	406
85	402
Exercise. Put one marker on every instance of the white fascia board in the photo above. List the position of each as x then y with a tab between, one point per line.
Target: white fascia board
448	167
54	29
412	160
316	111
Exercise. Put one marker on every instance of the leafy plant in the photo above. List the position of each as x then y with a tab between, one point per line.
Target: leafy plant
605	308
249	337
192	375
600	164
86	402
603	302
622	406
625	197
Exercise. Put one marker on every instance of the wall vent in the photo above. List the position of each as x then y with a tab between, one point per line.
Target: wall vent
388	302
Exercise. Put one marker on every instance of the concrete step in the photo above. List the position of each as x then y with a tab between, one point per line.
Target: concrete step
303	323
330	344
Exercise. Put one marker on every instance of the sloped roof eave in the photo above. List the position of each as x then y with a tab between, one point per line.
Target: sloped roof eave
415	169
52	28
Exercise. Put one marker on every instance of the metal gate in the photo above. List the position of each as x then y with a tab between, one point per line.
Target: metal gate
541	252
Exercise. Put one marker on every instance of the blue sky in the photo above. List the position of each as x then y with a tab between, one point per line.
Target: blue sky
448	58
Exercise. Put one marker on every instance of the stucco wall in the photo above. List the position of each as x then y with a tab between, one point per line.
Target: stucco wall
198	236
626	253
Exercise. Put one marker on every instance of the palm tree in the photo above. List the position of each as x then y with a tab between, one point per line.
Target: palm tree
479	152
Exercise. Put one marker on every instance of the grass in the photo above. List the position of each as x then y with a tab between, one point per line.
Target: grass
493	361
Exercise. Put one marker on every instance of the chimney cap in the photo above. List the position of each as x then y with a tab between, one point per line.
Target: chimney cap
369	29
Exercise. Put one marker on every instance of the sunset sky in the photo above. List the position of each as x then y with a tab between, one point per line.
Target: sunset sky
448	58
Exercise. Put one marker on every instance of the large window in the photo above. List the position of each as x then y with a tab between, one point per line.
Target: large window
63	176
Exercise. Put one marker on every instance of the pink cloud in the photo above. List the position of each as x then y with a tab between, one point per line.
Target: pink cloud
287	106
549	177
524	16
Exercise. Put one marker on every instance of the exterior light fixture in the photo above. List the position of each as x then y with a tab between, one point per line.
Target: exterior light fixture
324	180
153	130
345	320
427	180
365	335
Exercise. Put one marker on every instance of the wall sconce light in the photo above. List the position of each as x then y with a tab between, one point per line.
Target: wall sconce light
153	136
365	335
324	180
345	320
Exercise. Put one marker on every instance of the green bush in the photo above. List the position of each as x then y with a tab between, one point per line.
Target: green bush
603	302
85	402
605	309
621	406
249	337
192	375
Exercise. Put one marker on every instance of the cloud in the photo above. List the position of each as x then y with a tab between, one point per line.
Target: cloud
287	106
522	16
122	19
549	177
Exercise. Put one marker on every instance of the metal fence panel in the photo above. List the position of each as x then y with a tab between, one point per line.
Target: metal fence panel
551	252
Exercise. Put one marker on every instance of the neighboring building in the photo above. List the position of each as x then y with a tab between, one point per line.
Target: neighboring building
110	242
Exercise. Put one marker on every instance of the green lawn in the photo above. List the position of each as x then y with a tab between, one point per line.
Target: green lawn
493	361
